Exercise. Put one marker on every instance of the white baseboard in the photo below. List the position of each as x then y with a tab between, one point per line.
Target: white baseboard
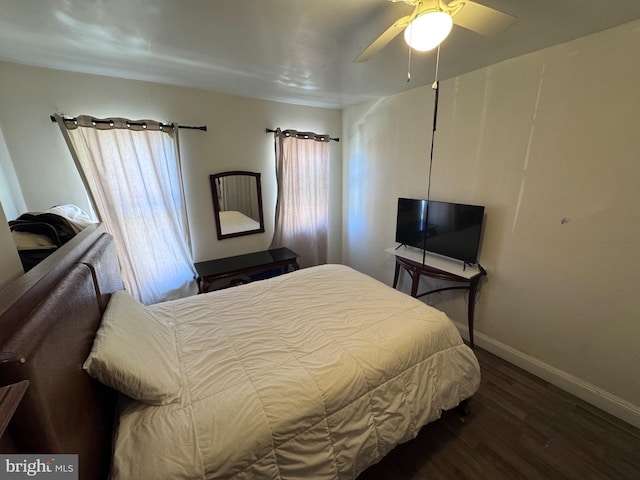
592	394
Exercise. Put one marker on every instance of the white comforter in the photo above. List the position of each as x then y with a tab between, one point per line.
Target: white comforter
315	374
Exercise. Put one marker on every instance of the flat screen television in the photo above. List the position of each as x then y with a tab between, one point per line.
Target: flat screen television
452	229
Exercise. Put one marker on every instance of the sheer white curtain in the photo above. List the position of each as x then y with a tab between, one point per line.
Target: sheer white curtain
239	192
302	217
132	173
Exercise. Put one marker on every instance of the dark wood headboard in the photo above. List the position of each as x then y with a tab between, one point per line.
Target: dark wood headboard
48	321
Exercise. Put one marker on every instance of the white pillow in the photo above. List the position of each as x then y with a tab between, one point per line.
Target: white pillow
135	353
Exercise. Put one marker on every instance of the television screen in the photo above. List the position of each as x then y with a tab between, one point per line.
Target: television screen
452	229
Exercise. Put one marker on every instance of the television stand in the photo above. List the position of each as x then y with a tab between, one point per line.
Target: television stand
410	259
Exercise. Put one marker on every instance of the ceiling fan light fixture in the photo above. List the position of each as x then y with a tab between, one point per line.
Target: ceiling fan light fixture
428	30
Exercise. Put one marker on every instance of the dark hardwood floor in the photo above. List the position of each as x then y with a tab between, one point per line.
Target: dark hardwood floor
519	427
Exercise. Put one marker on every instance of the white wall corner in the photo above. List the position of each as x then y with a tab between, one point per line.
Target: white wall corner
10	265
586	391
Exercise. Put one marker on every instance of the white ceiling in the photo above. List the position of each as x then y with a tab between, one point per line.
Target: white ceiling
287	50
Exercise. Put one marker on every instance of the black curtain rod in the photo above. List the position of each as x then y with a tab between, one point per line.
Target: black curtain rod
337	139
203	128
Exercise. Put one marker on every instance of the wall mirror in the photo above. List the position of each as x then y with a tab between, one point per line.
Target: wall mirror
237	203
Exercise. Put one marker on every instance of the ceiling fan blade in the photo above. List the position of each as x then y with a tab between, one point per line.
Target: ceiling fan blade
382	41
480	19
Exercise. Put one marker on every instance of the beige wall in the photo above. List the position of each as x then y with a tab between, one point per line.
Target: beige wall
10	192
11	205
236	140
536	139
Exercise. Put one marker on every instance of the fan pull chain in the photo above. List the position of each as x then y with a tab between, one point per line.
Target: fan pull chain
409	63
435	80
435	87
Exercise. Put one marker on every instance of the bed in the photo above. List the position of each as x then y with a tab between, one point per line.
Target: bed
232	221
321	384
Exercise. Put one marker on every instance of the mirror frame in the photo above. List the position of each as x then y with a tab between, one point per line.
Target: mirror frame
216	204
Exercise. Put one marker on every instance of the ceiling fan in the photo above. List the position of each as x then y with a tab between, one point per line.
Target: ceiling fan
434	18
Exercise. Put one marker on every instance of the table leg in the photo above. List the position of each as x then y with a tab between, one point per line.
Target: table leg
396	275
415	281
473	287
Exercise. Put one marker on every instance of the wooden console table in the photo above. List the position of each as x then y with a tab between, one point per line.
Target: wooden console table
251	263
434	267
